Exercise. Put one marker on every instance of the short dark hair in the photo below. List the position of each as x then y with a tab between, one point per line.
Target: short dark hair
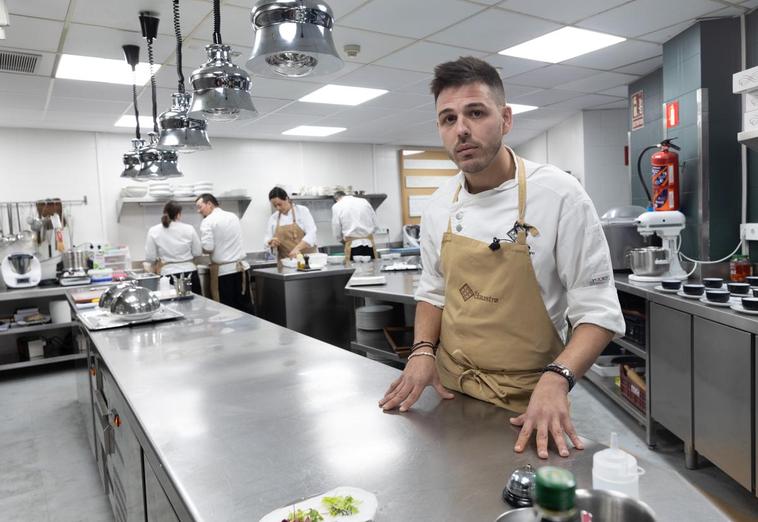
466	70
277	192
339	193
207	197
170	211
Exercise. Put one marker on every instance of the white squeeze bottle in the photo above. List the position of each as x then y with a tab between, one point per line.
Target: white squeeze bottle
616	470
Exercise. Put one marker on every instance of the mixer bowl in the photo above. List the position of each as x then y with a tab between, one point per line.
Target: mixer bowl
20	262
649	261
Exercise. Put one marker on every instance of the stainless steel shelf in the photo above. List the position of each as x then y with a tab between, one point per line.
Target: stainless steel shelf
633	347
42	362
374	199
609	388
242	203
37	328
386	354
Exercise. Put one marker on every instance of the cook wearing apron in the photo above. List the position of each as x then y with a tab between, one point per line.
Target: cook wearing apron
293	237
354	222
289	236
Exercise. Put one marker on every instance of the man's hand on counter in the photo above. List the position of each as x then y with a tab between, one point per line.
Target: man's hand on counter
419	373
548	416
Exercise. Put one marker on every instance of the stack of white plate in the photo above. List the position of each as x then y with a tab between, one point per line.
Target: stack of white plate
160	190
202	187
184	190
235	193
134	191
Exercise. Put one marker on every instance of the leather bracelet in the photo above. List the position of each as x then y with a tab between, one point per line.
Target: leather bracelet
427	354
424	344
563	371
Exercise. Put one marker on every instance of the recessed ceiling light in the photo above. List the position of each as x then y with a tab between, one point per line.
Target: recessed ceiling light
412	152
562	45
517	108
91	69
342	95
309	130
127	120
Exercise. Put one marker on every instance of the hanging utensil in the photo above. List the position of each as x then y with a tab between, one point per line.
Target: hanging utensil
19	234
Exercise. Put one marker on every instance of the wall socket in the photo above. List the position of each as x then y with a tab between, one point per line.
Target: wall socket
749	231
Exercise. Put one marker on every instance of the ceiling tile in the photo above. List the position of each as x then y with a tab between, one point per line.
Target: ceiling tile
267	105
95	90
81	105
144	98
643	16
420	87
546	97
125	15
598	82
563	12
284	121
410	18
24	83
622	91
102	42
22	101
398	100
347	68
512	90
666	34
620	104
750	4
311	109
549	76
643	67
166	77
354	116
495	30
728	12
583	102
373	45
32	33
508	66
236	28
291	89
424	56
617	55
51	10
377	77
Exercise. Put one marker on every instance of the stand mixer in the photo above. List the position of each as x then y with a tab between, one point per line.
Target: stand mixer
667	224
21	270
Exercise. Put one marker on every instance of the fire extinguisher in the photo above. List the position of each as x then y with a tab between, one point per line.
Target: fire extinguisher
665	175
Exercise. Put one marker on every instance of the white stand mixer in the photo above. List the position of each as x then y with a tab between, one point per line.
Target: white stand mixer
667	224
21	270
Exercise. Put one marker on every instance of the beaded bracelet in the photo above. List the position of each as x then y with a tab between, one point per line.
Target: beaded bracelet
412	355
424	344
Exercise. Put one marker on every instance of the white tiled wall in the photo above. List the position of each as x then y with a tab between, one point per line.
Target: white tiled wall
67	164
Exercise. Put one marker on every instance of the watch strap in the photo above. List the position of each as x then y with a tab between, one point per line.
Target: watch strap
563	371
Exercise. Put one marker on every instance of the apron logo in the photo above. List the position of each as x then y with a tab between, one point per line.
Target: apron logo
467	293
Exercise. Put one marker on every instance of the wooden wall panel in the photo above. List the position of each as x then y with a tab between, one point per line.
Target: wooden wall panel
412	166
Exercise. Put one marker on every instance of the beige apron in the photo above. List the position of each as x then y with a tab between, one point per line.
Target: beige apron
496	334
214	269
160	264
349	246
289	237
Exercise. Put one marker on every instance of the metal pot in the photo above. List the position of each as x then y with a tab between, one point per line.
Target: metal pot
621	234
75	260
649	261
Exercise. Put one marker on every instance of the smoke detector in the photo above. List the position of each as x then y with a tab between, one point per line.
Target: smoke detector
352	50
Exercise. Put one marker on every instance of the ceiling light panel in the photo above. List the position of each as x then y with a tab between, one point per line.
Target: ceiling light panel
518	108
342	95
104	70
562	45
308	130
127	120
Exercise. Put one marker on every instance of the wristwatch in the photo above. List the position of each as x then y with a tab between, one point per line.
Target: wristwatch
562	370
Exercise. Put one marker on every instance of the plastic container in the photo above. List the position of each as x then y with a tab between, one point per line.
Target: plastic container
616	470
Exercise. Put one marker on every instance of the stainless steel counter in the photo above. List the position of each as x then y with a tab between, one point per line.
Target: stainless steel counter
15	294
291	274
245	416
400	286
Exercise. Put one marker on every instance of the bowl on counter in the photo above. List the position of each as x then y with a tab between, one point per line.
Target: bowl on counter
317	260
693	288
335	260
135	303
289	262
750	303
717	295
671	284
362	259
713	282
752	280
738	288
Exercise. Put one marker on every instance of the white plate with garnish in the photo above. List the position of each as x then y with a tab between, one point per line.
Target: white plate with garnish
329	505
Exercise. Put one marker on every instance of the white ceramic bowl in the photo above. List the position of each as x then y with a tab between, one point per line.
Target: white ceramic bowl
362	259
335	260
289	263
317	260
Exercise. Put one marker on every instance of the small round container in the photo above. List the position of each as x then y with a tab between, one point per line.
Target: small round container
671	284
750	303
755	292
752	280
713	282
717	296
739	288
693	288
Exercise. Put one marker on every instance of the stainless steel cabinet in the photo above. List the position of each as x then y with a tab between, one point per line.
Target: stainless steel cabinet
722	368
670	386
158	506
84	368
124	461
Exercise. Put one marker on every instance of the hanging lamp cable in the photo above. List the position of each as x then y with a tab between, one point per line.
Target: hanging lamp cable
217	22
152	84
131	54
178	31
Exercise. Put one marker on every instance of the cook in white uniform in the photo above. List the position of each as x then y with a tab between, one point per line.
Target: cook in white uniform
221	237
354	223
510	248
291	230
172	246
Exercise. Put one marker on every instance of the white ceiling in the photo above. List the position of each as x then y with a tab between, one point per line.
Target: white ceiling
401	42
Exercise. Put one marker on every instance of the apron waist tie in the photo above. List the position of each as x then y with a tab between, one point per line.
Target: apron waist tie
482	377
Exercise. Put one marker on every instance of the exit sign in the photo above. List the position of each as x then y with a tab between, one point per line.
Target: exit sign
672	114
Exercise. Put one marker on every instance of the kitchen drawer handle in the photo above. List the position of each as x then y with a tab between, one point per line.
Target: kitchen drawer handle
93	371
114	418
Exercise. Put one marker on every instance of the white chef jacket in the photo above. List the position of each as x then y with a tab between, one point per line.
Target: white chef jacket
353	217
304	220
221	234
570	255
177	244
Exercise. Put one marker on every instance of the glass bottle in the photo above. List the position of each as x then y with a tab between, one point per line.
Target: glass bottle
555	495
739	268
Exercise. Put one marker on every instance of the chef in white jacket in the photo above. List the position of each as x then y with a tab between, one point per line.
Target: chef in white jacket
354	223
291	229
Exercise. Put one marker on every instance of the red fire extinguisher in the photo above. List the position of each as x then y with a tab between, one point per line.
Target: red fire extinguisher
665	179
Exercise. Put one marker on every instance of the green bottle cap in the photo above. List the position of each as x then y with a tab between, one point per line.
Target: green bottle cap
555	489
